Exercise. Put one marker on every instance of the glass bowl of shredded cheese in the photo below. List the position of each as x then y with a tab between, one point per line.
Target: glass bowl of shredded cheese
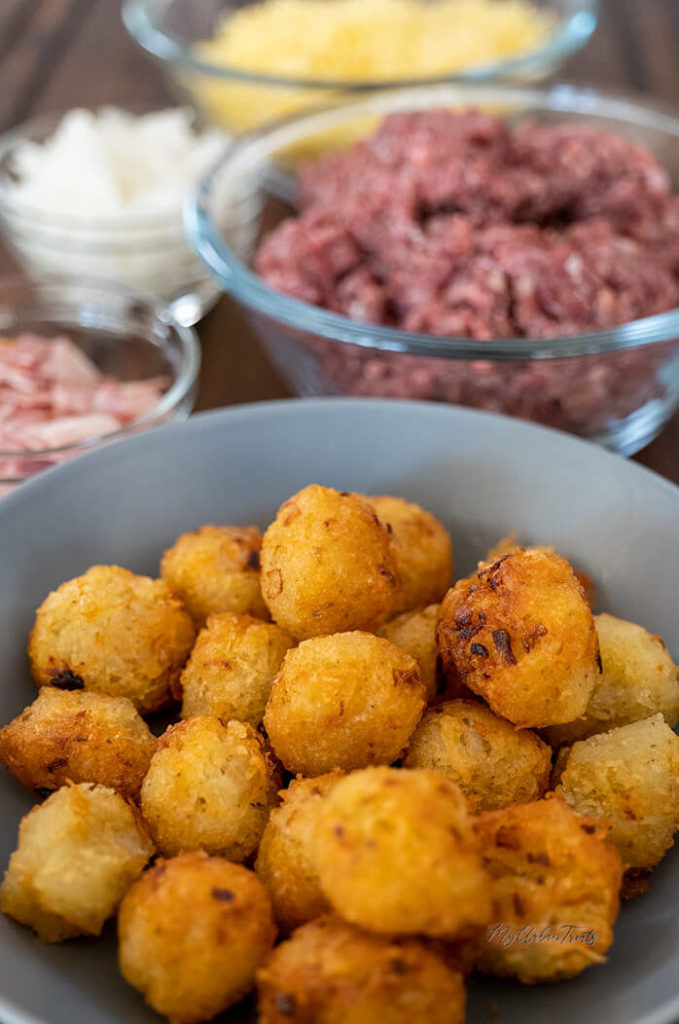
99	193
245	63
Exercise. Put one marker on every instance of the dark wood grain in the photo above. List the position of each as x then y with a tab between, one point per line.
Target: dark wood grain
55	54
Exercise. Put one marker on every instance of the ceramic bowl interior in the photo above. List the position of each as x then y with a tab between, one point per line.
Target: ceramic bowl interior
483	476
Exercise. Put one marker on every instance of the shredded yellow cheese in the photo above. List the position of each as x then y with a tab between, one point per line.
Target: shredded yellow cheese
355	40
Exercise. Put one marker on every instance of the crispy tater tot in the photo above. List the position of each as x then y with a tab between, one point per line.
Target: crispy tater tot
629	777
520	634
231	668
327	564
555	887
192	932
415	633
285	860
78	853
638	679
330	972
494	764
216	569
422	550
506	545
112	632
81	737
210	786
343	701
396	851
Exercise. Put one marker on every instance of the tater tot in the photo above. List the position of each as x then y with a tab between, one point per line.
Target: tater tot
285	860
192	932
81	736
329	972
520	634
422	550
343	701
112	632
231	668
494	764
638	679
630	777
327	564
507	545
216	569
209	786
415	633
555	890
396	851
77	855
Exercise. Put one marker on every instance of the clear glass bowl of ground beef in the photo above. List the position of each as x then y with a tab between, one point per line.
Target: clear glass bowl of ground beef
512	249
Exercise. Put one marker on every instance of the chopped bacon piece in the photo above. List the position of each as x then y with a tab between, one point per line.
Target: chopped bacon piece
53	396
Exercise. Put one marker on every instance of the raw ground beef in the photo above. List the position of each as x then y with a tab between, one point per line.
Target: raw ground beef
455	224
452	224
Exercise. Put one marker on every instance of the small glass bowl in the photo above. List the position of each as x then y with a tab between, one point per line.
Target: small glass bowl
147	254
123	334
240	101
617	387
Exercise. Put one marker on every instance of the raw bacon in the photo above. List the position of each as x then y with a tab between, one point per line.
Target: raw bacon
53	397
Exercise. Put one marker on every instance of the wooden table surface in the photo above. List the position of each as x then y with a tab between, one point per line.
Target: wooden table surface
55	54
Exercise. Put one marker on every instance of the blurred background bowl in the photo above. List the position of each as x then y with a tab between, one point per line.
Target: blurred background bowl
238	99
149	253
617	387
124	335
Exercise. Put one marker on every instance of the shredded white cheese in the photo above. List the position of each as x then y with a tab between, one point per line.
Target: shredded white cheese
111	164
108	190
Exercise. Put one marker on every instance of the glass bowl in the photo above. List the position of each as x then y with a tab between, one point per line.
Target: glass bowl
149	254
124	335
617	386
240	100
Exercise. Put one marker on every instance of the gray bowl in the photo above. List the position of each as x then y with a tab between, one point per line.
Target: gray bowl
483	476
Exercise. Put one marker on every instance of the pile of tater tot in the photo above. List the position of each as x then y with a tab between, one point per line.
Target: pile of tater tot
378	781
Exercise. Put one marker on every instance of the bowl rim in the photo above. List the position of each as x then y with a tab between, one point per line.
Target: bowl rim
571	34
119	226
247	287
243	412
179	389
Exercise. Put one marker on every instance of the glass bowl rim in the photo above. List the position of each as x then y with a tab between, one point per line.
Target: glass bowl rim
118	224
246	286
179	389
570	35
